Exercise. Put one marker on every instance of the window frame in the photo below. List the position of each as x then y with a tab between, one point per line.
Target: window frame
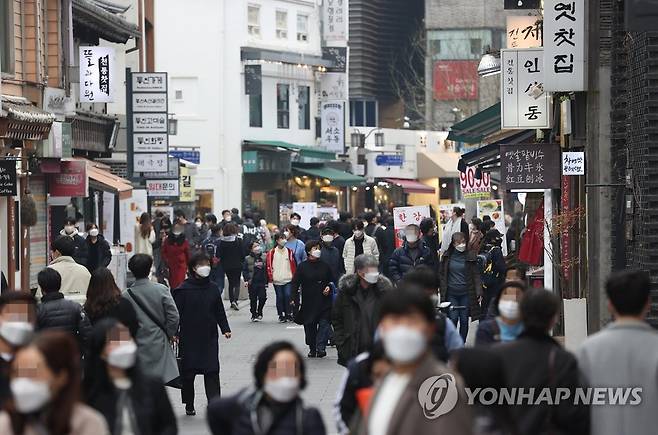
306	108
256	99
7	48
281	33
305	33
253	29
363	113
282	107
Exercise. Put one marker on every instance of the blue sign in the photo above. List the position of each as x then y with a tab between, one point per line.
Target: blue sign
190	156
389	160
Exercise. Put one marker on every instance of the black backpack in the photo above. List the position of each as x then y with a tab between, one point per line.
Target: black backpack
488	275
438	343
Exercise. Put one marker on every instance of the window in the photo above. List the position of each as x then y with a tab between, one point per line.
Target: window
7	36
304	106
256	110
476	47
363	113
253	20
283	106
302	28
179	94
462	44
282	24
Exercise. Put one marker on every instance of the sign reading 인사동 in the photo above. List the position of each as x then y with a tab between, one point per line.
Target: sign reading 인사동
7	178
573	163
565	46
163	188
332	124
98	80
524	31
530	166
473	188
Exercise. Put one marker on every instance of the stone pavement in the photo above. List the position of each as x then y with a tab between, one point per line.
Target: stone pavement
238	354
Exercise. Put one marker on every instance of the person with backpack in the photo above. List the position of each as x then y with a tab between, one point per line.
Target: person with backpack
492	268
254	273
211	248
506	325
231	256
281	266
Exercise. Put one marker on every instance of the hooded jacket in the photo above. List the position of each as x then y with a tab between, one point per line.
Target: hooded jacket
80	254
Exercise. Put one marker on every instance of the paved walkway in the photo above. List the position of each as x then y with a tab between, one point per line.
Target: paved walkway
238	354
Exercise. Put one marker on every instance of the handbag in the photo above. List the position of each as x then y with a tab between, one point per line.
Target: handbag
175	383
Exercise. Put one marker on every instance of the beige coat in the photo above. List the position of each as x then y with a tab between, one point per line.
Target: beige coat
144	245
75	278
369	247
84	421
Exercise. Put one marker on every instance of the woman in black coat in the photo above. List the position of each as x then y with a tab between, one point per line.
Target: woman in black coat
98	249
104	300
115	386
273	407
314	277
231	257
201	310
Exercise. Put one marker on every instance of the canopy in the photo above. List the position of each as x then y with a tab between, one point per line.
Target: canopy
336	176
100	173
477	127
303	150
437	165
411	186
489	155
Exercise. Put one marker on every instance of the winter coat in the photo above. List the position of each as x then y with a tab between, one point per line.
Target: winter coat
385	237
254	271
102	251
238	415
55	312
369	247
347	313
144	245
312	277
270	258
313	233
473	280
155	354
176	257
432	243
123	311
201	310
231	254
84	421
488	332
401	263
80	254
75	278
150	403
331	256
535	360
5	392
339	243
347	410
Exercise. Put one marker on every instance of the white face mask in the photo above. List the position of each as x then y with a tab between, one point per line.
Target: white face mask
509	309
263	223
327	238
123	356
358	234
16	333
93	232
286	234
461	247
371	277
257	250
198	224
68	229
227	218
412	237
203	271
404	344
294	222
29	395
177	232
316	253
283	389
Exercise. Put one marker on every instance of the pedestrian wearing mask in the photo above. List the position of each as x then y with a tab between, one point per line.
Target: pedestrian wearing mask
492	267
201	311
211	248
131	401
475	235
507	325
339	241
144	235
456	224
293	243
176	254
254	273
231	257
430	238
355	314
313	232
281	267
75	276
313	277
273	406
406	328
45	384
330	254
190	231
359	243
412	254
17	318
295	220
104	300
70	230
460	285
98	249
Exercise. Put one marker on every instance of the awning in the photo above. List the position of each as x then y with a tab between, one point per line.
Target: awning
289	57
411	186
488	156
304	151
21	120
437	165
94	19
477	127
93	132
100	173
336	176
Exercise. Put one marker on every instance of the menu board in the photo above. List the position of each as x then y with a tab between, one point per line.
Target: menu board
530	166
7	177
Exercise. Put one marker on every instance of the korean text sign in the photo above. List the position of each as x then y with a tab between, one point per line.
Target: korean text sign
524	103
565	48
403	216
71	180
474	188
335	20
524	31
7	178
332	123
573	163
98	80
530	166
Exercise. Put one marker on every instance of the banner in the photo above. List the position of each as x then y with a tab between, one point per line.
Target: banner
472	188
455	80
187	192
332	124
98	78
495	210
334	22
107	223
403	216
306	210
333	86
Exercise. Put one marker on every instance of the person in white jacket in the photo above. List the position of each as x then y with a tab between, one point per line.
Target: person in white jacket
359	243
75	277
144	235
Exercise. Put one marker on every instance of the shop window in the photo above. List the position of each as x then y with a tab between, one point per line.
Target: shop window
304	106
7	36
363	113
302	28
253	20
256	110
282	24
283	105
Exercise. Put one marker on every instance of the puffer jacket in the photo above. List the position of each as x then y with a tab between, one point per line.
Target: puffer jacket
55	312
473	277
401	263
369	247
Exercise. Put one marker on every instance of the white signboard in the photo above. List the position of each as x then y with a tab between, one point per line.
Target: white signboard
333	86
130	210
150	122
150	142
524	31
524	103
332	124
335	19
107	226
573	163
163	188
150	102
150	162
565	46
306	210
154	82
56	102
98	80
403	216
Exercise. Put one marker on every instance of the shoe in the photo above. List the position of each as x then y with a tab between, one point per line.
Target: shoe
312	355
321	354
189	410
282	319
254	319
260	317
290	319
234	306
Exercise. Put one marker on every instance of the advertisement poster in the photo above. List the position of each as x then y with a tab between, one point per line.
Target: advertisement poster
472	188
403	216
495	210
285	210
187	192
332	123
326	214
107	224
130	210
306	210
71	180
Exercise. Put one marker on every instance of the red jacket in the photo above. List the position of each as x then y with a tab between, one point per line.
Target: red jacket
270	257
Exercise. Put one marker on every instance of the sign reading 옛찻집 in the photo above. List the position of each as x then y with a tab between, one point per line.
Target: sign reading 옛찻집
530	166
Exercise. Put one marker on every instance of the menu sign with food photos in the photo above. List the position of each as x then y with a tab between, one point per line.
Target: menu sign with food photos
530	166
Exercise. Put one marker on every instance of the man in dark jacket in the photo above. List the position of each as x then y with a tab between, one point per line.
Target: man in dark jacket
536	361
98	249
339	241
313	232
254	273
331	255
344	225
491	262
385	237
55	312
70	230
410	255
355	314
430	238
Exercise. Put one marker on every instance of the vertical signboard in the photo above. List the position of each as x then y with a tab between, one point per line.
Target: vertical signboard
524	103
332	123
333	86
148	123
334	23
565	46
98	80
524	31
187	193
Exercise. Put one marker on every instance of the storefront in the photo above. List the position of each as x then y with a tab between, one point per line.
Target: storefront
323	184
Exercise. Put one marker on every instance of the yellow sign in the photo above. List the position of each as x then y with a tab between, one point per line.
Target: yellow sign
187	193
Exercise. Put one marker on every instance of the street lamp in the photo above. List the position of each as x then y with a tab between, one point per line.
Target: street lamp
489	64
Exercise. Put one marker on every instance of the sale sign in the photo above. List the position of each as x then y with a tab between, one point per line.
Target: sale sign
403	216
472	188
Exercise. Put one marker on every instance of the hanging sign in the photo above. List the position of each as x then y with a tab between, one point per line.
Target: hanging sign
149	82
150	102
187	193
162	188
71	180
530	166
524	31
474	188
524	103
403	216
573	163
7	178
565	46
338	56
333	86
332	124
150	162
334	23
98	80
150	142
